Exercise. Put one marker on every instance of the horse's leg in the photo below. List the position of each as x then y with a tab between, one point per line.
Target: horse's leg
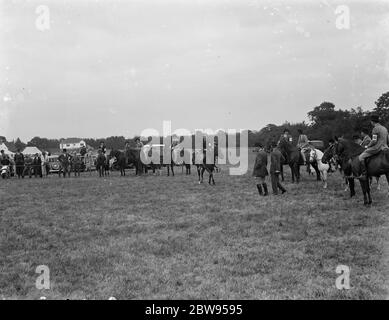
351	184
292	171
318	173
202	174
298	172
378	183
213	180
364	185
324	176
387	179
282	173
199	173
172	165
368	193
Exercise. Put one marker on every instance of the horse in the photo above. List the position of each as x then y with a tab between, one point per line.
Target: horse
121	161
315	157
178	159
133	157
348	152
293	157
101	163
177	156
199	160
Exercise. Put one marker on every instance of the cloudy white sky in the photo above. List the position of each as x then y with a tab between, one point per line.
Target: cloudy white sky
117	67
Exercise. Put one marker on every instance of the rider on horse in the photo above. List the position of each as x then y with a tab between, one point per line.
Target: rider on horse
365	137
378	143
303	144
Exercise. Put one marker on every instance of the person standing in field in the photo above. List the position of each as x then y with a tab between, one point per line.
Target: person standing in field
19	163
276	160
45	164
37	165
260	171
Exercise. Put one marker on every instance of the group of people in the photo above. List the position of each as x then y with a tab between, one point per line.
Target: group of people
261	172
21	165
373	145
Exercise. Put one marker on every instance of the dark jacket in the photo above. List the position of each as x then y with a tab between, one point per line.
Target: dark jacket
5	161
19	158
276	159
37	161
260	166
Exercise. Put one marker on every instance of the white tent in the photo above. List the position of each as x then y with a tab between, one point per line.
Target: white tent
6	151
31	151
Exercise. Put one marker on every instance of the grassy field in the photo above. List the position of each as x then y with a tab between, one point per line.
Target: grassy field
170	238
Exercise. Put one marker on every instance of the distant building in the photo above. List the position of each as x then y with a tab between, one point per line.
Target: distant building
72	143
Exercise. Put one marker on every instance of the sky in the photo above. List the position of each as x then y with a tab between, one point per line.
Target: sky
104	68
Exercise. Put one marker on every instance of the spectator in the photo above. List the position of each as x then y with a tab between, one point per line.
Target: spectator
19	163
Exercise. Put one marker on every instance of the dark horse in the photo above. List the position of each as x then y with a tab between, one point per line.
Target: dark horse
293	157
121	161
101	163
177	158
176	154
347	153
133	158
199	160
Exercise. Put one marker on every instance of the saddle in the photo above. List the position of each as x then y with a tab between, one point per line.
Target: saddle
384	152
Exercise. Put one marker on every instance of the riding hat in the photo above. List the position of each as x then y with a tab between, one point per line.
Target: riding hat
375	118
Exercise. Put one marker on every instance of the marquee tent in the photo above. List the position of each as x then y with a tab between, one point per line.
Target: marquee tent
31	151
6	151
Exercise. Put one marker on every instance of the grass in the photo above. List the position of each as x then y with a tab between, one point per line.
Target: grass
170	238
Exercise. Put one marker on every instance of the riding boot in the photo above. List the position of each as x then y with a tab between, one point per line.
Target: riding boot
363	170
265	189
259	187
280	186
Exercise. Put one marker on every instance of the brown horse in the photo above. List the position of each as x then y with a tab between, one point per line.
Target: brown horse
133	158
347	153
293	157
101	162
120	162
199	160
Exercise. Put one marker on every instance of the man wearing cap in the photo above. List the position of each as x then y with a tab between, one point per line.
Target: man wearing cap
276	160
286	136
378	143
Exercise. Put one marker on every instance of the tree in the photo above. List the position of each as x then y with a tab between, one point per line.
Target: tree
323	113
19	144
382	107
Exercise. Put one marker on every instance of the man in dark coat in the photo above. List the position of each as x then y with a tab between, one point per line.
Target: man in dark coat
37	164
19	163
65	160
276	160
260	171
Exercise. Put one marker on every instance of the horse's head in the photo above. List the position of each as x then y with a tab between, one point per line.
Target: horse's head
329	153
312	155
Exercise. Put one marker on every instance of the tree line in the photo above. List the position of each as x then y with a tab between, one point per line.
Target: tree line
325	122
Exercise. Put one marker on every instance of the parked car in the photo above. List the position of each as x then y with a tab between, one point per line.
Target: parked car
54	164
318	144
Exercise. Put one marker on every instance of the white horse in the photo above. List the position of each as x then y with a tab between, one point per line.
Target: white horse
316	155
